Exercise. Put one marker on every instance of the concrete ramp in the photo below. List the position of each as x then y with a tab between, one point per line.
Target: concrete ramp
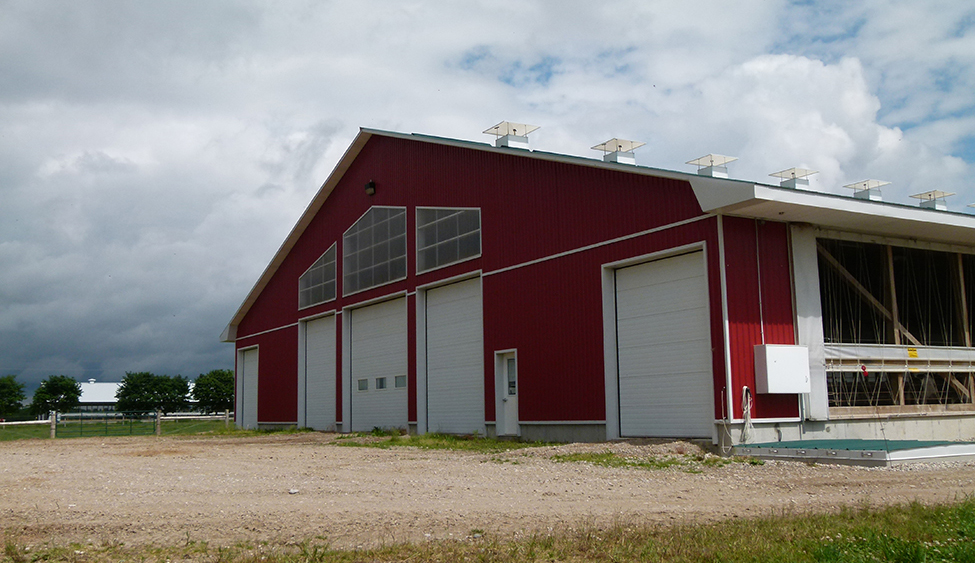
871	453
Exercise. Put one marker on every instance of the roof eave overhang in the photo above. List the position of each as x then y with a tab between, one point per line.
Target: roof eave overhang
719	196
229	333
832	212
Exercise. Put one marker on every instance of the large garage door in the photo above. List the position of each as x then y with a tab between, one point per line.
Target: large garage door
247	389
455	358
319	380
664	348
379	365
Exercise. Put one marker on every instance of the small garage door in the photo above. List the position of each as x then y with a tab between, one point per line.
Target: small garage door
379	366
664	348
455	358
319	380
247	388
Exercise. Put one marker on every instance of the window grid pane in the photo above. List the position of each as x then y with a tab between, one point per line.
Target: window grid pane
317	284
373	248
445	236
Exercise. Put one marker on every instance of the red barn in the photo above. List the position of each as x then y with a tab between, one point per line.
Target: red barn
450	286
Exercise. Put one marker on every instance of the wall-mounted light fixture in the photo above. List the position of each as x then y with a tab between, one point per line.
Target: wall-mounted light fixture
370	187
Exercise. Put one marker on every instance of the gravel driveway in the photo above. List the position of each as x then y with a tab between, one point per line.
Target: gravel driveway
290	487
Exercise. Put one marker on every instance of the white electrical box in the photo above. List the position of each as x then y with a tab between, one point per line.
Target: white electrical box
780	368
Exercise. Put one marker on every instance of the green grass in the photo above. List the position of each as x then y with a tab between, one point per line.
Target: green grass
692	463
24	432
92	428
904	533
392	439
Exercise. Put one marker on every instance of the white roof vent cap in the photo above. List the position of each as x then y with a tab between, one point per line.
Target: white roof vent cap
867	189
92	380
513	135
794	177
935	199
619	150
713	165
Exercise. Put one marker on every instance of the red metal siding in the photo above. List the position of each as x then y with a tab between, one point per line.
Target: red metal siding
277	374
530	209
752	247
551	312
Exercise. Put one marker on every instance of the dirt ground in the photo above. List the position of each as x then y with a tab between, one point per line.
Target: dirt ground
292	487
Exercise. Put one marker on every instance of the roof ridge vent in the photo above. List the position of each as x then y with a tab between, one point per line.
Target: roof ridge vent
619	150
513	135
867	189
935	199
794	177
713	165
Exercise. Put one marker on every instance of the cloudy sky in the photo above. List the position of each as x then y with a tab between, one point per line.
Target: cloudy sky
153	155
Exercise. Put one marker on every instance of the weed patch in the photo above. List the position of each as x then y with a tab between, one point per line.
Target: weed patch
437	442
685	462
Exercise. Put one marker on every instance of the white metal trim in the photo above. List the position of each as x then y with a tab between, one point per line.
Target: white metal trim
484	274
421	362
264	332
689	248
600	244
318	316
447	281
725	322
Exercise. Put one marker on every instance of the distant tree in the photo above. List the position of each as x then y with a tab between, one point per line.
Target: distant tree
144	392
58	393
11	395
176	394
214	390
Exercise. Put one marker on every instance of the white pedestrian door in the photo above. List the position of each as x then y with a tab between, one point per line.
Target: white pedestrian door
318	389
379	364
509	396
247	384
664	348
455	358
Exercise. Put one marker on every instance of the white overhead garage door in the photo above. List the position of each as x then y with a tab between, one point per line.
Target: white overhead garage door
455	358
318	386
664	348
379	366
247	388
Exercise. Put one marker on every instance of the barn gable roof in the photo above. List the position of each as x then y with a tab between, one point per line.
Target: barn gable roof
722	196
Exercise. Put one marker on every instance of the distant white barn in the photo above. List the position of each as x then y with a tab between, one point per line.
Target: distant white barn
98	396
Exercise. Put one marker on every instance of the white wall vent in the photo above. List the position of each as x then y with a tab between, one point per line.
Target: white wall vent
867	189
619	150
794	177
513	135
935	199
714	165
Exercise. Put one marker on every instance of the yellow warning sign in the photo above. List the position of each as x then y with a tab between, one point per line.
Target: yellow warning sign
912	352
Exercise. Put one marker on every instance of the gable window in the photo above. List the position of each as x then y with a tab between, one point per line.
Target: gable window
445	236
374	249
317	284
